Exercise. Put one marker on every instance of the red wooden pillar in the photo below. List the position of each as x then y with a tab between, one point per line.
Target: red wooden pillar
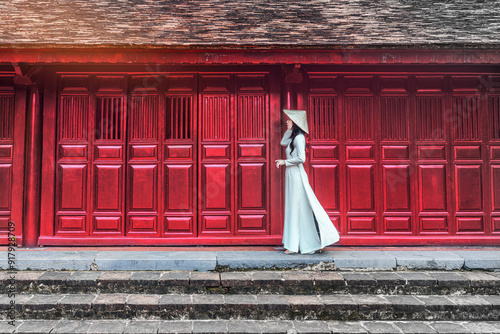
293	84
32	178
27	103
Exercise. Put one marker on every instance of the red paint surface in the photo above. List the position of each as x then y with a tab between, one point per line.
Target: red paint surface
177	158
401	157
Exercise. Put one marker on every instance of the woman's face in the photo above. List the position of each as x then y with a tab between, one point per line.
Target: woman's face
289	124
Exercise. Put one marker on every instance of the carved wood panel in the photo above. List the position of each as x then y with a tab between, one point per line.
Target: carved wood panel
413	156
7	117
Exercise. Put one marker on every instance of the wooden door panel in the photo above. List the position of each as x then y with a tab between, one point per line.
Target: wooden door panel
360	186
396	186
216	225
107	226
359	118
71	225
143	153
251	188
432	188
179	225
252	224
468	182
6	193
362	225
495	186
73	156
249	151
216	117
143	161
180	136
108	188
72	188
179	189
142	224
142	191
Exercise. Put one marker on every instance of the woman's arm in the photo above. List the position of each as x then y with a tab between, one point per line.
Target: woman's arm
286	138
300	149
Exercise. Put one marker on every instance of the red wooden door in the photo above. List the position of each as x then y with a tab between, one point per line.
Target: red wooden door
406	158
234	154
12	132
158	158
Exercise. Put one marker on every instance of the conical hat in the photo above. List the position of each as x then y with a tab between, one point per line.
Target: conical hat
299	117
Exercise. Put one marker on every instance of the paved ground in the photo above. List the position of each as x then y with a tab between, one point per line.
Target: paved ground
218	258
248	326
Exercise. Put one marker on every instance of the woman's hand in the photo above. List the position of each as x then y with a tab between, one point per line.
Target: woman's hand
289	124
279	163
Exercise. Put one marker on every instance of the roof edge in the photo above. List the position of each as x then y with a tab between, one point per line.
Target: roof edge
277	56
261	47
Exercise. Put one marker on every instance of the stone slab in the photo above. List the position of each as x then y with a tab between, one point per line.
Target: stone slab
56	260
144	326
37	326
4	261
141	260
380	327
483	327
177	327
8	327
107	326
487	260
363	259
267	260
427	260
450	328
410	327
208	260
209	327
71	326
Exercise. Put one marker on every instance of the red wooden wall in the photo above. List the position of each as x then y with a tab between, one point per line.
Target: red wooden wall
160	158
186	157
407	158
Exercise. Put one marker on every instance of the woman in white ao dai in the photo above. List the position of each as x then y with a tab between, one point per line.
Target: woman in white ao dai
307	227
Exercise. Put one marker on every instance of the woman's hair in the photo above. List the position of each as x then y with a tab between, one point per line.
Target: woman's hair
296	130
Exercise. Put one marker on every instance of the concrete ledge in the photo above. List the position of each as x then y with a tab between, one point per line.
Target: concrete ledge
57	260
141	260
363	260
266	260
35	259
427	260
479	259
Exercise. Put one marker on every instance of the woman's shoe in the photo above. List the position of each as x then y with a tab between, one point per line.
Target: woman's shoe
289	252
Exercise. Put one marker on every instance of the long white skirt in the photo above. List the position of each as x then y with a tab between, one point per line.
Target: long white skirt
301	233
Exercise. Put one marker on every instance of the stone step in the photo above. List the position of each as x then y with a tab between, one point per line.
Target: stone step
254	307
248	327
254	282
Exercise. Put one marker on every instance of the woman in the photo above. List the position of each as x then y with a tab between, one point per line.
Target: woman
307	226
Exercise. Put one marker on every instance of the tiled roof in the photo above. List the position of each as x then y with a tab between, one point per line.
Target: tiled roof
250	23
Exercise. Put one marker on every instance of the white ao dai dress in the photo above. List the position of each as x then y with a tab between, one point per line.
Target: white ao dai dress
301	233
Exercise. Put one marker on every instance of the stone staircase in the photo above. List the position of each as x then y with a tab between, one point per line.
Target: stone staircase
290	301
